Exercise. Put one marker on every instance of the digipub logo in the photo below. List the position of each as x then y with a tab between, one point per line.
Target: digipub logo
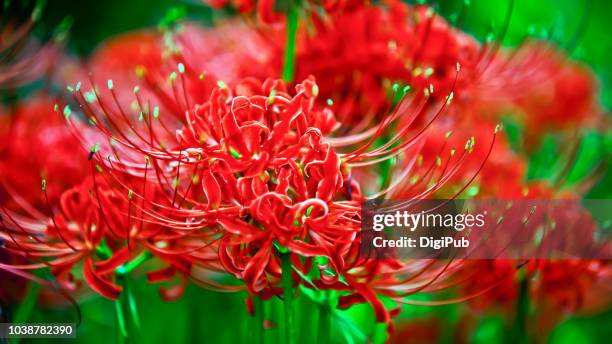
486	229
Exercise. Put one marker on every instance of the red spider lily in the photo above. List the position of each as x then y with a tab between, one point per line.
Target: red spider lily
209	170
93	222
251	177
366	50
97	230
561	288
149	59
559	284
112	51
555	288
369	51
564	100
498	280
258	155
502	176
257	150
267	11
33	149
404	47
567	282
406	53
538	85
74	235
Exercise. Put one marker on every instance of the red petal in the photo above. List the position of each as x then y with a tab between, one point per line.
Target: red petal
249	305
211	189
333	179
255	268
265	10
161	275
346	301
99	284
366	292
231	128
174	293
236	226
118	258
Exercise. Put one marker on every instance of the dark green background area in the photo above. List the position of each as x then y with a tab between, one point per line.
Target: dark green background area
204	316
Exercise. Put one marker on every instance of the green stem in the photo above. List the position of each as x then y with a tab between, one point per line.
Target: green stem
122	334
131	302
324	324
259	320
519	331
22	314
292	28
120	310
288	297
133	264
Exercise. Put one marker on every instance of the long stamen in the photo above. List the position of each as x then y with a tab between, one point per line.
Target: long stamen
57	230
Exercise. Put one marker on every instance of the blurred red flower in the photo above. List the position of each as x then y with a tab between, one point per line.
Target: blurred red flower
36	145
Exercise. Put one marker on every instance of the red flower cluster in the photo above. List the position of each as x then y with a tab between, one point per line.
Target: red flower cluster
26	148
199	161
270	12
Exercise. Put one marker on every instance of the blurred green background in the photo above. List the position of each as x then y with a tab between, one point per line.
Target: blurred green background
203	316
